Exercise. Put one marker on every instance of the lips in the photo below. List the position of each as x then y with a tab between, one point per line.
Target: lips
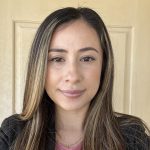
72	93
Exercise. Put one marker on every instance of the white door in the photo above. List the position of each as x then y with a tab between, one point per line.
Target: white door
129	27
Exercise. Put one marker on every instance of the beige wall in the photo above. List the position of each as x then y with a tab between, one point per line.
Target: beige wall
129	26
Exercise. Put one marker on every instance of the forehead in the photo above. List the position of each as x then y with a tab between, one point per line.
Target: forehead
76	34
73	24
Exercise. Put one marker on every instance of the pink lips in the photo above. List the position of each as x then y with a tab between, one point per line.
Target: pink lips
72	93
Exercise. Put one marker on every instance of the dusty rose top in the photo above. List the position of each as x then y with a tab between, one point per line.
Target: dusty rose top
61	147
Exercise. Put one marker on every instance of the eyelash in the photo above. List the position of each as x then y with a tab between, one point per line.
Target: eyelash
89	58
58	59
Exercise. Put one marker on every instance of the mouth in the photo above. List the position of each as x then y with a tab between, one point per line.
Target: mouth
72	93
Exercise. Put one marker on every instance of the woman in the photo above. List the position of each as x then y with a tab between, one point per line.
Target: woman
68	93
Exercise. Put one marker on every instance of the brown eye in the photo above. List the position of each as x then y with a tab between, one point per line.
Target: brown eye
88	59
57	59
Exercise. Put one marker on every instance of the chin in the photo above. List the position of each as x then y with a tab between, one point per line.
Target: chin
82	107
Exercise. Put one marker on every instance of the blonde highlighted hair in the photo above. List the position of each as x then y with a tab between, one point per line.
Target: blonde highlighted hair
101	126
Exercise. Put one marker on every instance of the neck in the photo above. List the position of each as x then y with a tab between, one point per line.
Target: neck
69	120
69	126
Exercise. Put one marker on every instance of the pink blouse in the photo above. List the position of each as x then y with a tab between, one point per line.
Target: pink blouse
61	147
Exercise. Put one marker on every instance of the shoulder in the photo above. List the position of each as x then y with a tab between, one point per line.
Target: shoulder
134	132
9	130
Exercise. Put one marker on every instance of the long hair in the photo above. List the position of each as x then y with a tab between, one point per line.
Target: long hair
100	125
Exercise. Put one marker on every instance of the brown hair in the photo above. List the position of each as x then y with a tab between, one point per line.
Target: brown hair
102	129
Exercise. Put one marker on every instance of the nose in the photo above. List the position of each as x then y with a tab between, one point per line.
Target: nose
73	73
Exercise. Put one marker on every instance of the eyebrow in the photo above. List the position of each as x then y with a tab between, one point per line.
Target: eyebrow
80	50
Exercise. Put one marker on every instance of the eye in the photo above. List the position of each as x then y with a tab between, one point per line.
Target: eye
56	59
88	59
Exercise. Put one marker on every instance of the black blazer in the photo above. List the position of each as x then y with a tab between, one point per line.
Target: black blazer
135	136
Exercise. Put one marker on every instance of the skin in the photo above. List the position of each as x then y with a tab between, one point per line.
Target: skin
74	63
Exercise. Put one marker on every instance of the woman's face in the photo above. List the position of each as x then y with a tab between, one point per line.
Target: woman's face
74	66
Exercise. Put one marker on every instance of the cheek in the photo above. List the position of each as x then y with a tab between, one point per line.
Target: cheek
92	82
50	79
95	78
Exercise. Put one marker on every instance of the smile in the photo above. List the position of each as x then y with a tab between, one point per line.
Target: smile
72	93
